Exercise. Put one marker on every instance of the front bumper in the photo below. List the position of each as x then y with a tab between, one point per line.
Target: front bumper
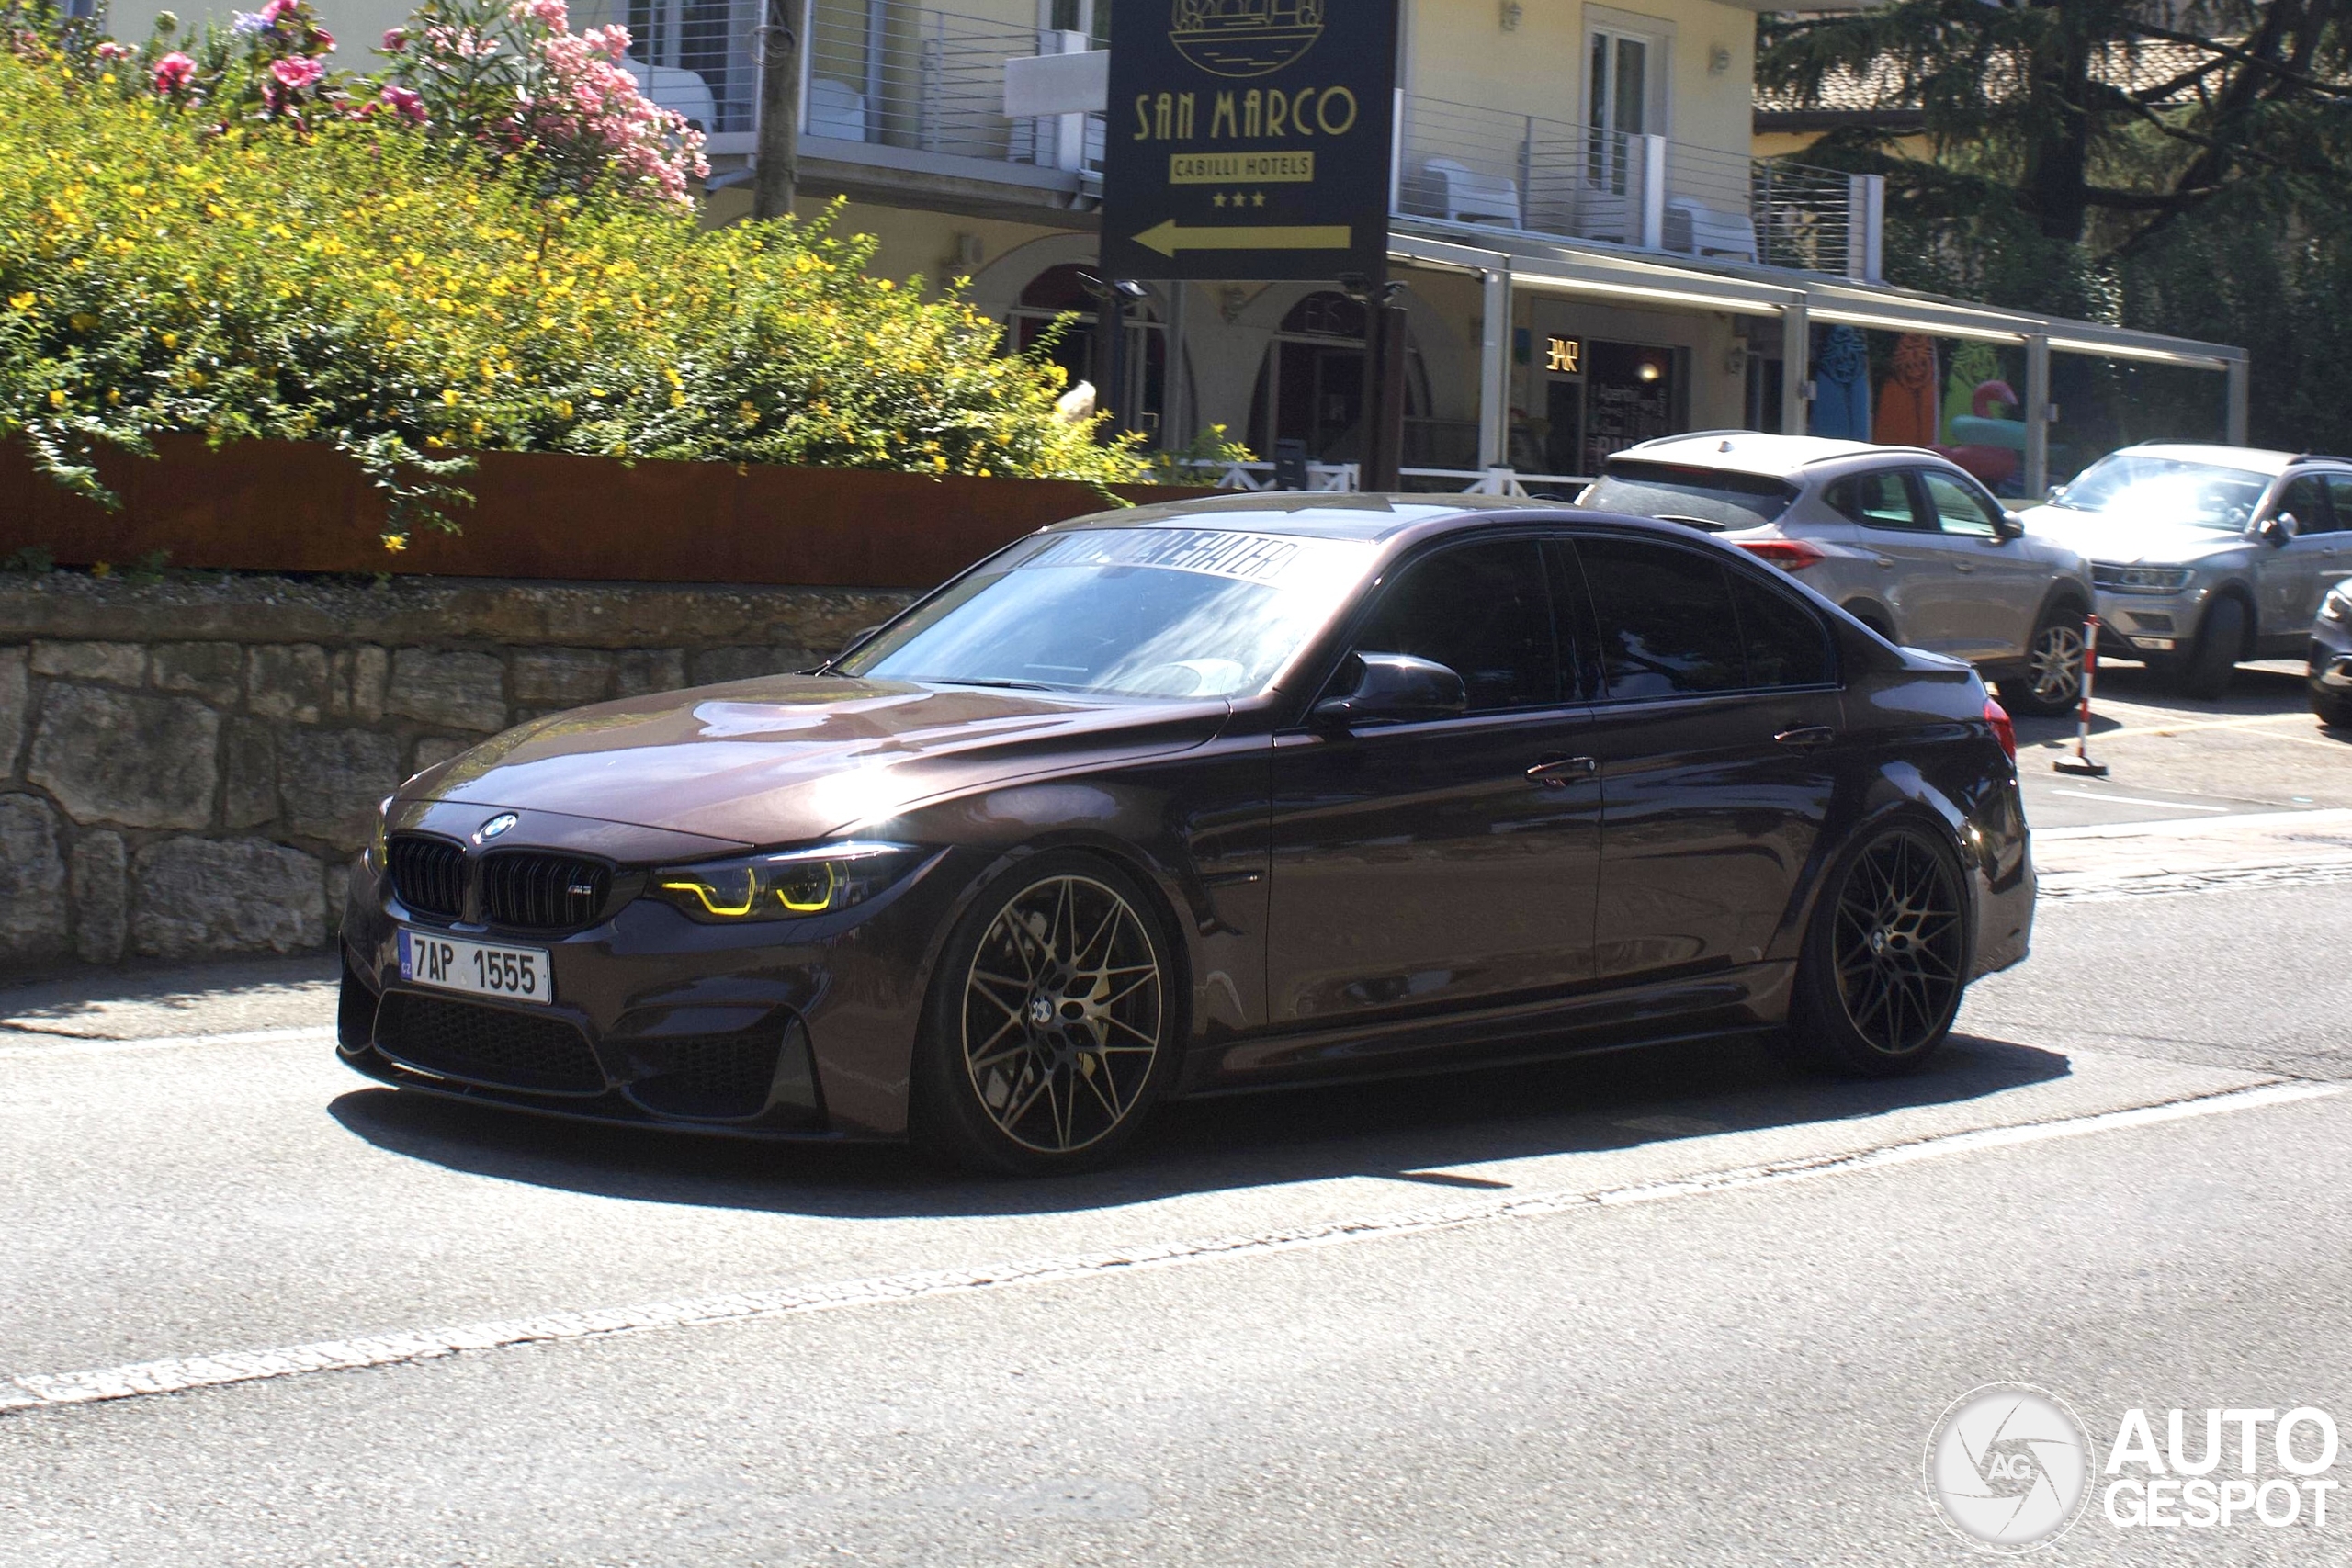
800	1030
2150	624
2331	658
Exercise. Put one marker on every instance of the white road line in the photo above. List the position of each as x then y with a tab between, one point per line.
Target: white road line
386	1350
80	1045
2134	800
2197	827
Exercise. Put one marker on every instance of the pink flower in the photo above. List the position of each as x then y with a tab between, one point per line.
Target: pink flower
324	39
297	73
404	103
174	73
111	51
278	10
395	40
553	13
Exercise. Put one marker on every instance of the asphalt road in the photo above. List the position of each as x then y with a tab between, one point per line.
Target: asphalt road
1670	1307
2257	748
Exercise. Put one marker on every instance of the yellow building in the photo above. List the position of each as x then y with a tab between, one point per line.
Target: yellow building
1593	253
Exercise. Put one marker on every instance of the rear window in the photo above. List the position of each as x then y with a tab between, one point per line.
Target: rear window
1708	498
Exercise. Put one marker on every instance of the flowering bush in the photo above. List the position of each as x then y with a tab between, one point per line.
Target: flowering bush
413	301
512	78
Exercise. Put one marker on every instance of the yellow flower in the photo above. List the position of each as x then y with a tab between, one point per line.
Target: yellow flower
563	409
395	542
56	399
100	569
24	301
171	340
449	396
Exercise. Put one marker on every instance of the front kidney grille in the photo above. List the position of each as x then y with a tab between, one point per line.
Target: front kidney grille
530	891
429	874
487	1045
710	1078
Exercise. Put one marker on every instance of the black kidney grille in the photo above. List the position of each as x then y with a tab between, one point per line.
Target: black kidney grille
429	874
526	890
715	1077
487	1045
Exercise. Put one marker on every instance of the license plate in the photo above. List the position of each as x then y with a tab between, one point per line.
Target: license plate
451	964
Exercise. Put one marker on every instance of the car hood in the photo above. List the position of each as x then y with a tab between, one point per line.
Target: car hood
2129	541
789	757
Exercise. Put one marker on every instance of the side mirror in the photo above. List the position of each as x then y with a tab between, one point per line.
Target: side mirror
2276	531
1395	686
2057	492
2011	526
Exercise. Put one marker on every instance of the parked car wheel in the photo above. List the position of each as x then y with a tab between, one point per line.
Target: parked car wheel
1051	1027
2333	711
2052	682
2213	663
1886	959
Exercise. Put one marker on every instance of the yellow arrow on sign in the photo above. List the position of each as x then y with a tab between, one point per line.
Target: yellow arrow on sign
1170	237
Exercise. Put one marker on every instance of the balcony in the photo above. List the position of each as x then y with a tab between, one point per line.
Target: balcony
1465	163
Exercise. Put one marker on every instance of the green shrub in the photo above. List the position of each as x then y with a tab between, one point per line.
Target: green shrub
353	281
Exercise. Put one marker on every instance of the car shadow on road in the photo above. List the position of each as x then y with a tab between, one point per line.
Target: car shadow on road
2258	691
1409	1132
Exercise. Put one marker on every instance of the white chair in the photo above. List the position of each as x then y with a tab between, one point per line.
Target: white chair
1703	230
682	91
1605	215
836	109
1466	196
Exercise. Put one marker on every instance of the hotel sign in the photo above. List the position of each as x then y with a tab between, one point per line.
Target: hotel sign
1249	139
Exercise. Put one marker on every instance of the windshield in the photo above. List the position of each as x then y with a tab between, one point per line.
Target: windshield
2167	490
1139	612
1708	497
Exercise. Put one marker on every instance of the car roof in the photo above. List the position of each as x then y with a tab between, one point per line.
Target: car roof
1322	516
1756	452
2254	459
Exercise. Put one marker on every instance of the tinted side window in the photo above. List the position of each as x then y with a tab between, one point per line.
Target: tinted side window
2339	490
1878	500
1483	612
1666	620
1959	509
2303	498
1785	642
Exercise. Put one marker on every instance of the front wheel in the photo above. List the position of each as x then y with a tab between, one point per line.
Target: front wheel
2213	663
1051	1026
2053	681
1884	961
2334	708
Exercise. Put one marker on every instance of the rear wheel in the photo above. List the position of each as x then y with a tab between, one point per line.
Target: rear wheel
1884	961
2053	681
1051	1025
2213	662
2335	710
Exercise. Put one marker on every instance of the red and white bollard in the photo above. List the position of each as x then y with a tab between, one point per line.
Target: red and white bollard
2080	762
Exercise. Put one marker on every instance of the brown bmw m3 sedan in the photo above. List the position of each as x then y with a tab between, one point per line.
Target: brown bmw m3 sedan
1200	797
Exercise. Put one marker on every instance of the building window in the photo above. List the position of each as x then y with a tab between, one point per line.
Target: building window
1311	386
1059	291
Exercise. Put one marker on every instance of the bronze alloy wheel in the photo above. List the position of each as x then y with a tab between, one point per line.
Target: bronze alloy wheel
1898	945
1063	1015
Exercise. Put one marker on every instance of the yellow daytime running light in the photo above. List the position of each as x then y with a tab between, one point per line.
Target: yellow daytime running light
795	884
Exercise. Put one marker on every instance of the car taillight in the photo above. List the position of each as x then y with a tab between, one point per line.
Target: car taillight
2002	730
1789	555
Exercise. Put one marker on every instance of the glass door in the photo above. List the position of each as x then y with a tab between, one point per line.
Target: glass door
1616	106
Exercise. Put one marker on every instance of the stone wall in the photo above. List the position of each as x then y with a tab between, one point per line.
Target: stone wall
186	767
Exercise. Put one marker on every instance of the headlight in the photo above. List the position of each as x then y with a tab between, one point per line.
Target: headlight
2141	579
379	853
791	885
2337	606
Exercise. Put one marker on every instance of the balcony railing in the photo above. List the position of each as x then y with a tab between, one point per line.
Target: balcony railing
1472	164
900	76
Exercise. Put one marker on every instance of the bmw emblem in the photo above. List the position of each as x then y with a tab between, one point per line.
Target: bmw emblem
496	826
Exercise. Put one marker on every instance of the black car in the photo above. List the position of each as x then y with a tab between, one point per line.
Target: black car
1202	796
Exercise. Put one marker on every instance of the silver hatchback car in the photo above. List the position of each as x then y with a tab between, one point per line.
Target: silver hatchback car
2205	556
1907	541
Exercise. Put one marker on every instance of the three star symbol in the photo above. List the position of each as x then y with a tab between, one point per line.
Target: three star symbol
1241	199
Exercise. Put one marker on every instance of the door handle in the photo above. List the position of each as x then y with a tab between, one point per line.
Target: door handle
1806	739
1884	561
1963	566
1558	772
